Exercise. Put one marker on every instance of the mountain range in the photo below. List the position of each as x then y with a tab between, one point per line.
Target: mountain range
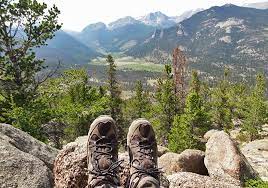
230	34
98	39
212	38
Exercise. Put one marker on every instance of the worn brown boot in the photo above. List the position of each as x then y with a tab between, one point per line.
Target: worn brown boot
102	151
142	148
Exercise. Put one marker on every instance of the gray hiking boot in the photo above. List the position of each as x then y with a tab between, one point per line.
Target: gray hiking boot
102	153
142	148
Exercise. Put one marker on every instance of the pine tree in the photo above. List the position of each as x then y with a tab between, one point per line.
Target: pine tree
139	105
116	102
256	113
198	116
166	105
195	121
181	137
221	107
24	26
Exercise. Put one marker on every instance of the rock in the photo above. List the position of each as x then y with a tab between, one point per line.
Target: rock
264	132
70	167
225	162
256	153
28	144
188	161
24	161
235	133
124	171
191	180
161	150
210	133
124	157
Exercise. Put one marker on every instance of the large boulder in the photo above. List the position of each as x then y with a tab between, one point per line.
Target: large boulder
70	167
188	161
191	180
24	161
224	160
257	154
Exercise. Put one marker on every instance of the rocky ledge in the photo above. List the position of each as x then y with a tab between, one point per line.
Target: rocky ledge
28	163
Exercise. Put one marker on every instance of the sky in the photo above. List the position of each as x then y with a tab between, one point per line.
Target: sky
77	14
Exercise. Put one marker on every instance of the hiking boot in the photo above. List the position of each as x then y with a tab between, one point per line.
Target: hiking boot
142	149
102	153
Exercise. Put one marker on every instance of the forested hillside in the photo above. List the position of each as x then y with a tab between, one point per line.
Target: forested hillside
227	36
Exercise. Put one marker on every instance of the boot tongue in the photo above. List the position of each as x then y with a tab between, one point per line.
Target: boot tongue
104	163
147	164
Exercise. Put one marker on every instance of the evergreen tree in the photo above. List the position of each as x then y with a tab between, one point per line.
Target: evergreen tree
24	26
181	137
221	107
165	108
139	105
116	102
67	99
256	113
195	121
195	110
238	96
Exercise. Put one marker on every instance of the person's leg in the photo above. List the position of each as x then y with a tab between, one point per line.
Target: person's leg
102	153
142	149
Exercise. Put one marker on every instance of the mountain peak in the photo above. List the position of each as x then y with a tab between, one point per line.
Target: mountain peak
122	22
187	14
154	15
157	14
95	26
228	5
157	19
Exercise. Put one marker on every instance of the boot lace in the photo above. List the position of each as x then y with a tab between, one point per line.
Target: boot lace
103	147
144	148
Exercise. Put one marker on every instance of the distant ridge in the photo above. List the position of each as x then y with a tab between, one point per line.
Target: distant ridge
260	5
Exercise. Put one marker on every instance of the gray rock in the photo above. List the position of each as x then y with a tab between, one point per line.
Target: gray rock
210	133
256	153
24	161
26	143
188	161
225	162
161	150
191	180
